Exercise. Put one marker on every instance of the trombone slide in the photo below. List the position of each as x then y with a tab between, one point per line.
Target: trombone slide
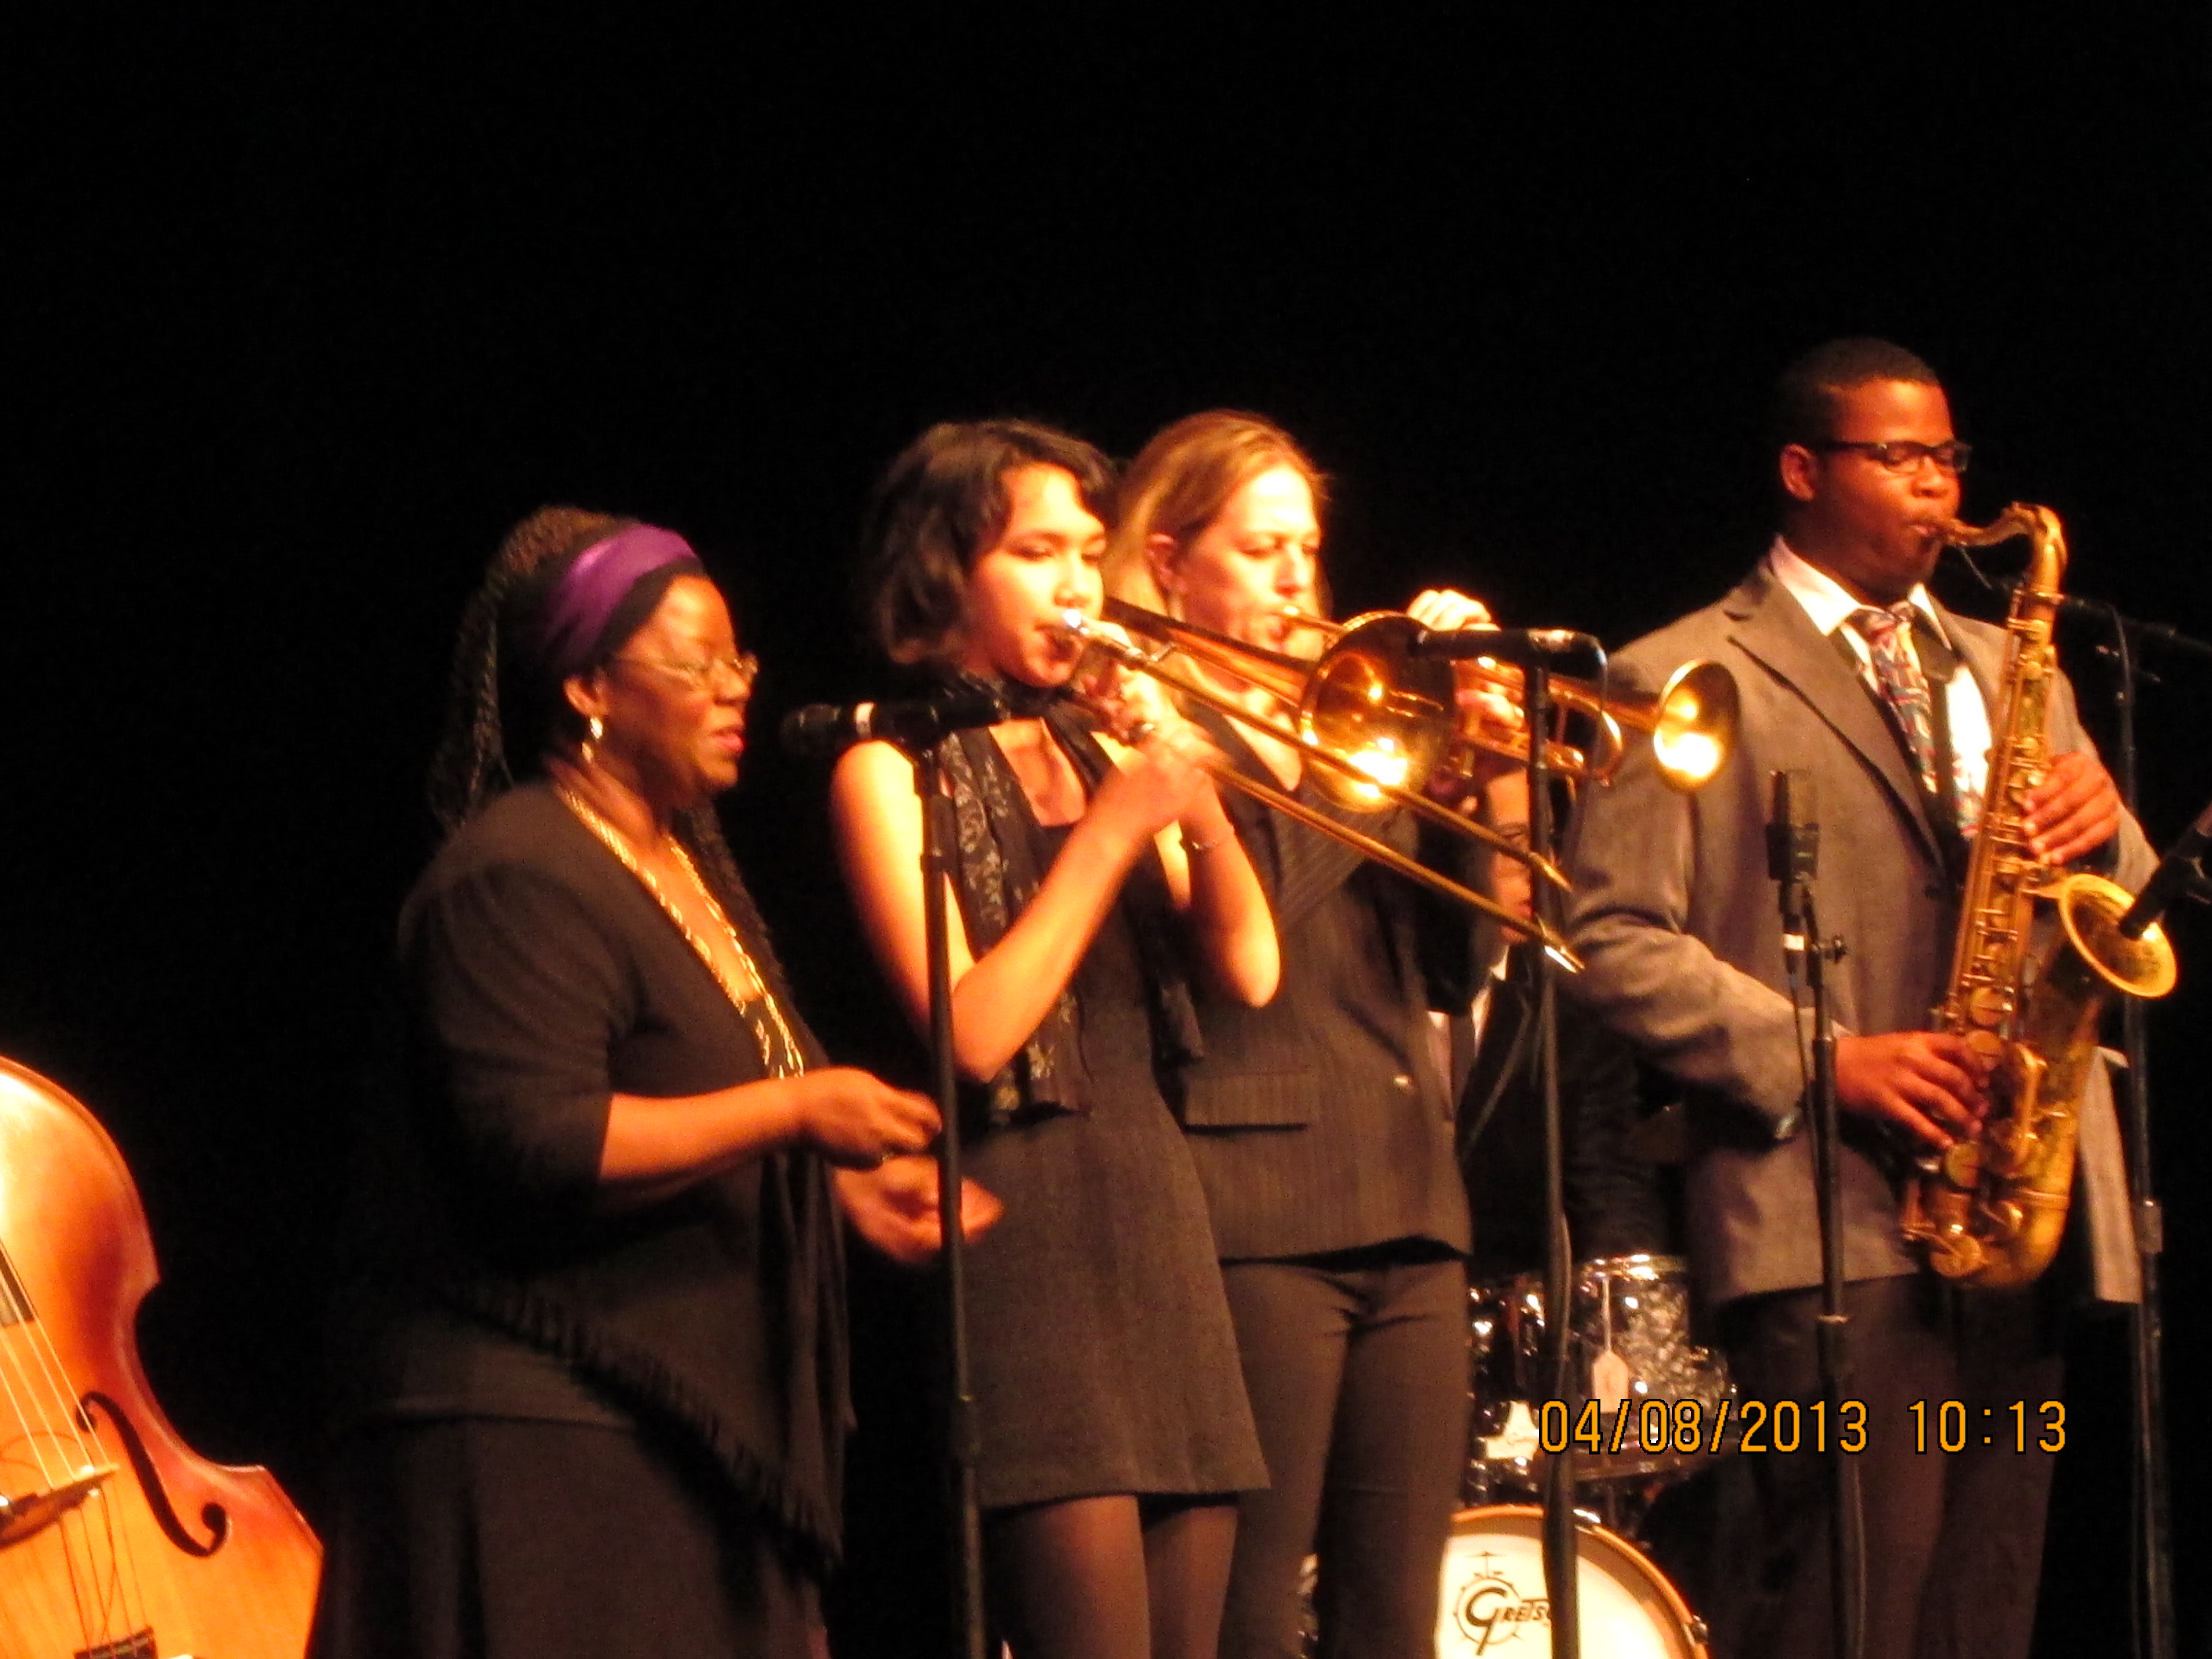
1132	658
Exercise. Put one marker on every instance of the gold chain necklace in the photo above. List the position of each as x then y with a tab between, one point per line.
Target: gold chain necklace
742	993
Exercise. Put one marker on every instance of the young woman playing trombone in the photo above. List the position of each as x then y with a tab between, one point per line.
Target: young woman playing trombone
1097	895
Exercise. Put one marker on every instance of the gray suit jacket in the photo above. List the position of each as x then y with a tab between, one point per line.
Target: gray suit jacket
1674	915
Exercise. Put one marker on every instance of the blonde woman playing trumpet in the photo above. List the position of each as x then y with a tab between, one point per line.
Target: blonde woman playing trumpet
1321	1124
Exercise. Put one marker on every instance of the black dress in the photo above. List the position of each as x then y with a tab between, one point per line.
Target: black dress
1104	1358
568	1429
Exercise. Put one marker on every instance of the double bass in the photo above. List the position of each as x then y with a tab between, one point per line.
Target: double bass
117	1540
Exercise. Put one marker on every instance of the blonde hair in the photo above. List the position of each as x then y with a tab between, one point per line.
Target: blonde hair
1181	481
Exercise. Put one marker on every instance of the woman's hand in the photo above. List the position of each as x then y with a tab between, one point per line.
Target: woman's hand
894	1207
1138	711
1130	703
1482	704
857	1121
1446	610
1167	774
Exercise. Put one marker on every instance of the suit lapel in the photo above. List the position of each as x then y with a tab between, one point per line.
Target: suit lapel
1772	628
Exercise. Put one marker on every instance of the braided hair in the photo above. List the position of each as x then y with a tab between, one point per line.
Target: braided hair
498	724
500	720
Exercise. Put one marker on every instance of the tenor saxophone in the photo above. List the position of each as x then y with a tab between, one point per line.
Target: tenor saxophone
1990	1209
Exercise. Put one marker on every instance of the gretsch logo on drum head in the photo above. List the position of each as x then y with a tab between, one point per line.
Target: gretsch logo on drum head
1490	1609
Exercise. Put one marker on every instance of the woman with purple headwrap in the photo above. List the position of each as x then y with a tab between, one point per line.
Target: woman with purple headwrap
592	1340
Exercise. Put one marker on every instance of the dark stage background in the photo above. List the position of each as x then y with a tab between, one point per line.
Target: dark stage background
307	313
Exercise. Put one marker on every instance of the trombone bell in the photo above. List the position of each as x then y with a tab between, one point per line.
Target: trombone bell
1384	710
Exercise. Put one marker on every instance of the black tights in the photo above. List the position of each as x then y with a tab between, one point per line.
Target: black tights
1115	1578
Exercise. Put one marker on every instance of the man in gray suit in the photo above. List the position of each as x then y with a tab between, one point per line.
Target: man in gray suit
1850	671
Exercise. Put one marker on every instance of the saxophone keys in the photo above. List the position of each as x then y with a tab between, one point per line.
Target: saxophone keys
1962	1165
1955	1252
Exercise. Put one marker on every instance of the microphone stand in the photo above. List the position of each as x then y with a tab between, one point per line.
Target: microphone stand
2153	1539
961	1438
1561	1553
1793	859
1847	1547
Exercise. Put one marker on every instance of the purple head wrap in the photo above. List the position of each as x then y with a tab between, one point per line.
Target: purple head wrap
572	625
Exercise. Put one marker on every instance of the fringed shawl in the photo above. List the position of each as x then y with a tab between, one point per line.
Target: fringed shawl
732	1332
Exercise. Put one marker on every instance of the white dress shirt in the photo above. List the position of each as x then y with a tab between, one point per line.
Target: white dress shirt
1830	607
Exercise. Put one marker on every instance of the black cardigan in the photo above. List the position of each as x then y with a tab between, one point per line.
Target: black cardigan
540	979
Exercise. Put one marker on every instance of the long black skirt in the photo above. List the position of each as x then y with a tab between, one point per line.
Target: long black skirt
488	1539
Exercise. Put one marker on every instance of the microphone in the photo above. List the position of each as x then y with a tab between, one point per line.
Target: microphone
2097	610
1526	648
2177	869
1793	847
819	729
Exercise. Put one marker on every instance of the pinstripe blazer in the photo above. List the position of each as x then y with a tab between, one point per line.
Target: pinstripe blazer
1321	1121
1675	916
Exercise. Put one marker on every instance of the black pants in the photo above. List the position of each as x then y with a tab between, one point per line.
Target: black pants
1356	1370
1953	1540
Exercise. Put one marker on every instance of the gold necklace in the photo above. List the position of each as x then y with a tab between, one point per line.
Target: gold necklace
743	993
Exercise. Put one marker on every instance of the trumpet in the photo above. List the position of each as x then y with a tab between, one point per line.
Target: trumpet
1691	721
1364	780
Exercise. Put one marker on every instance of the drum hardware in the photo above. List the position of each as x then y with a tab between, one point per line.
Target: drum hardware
1631	1360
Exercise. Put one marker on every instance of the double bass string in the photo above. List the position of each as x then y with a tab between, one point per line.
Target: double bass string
48	1428
15	1316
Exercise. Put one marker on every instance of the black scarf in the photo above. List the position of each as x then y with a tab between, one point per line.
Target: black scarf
999	870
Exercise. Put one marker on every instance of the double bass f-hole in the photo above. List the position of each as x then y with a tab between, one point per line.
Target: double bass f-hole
213	1515
97	1561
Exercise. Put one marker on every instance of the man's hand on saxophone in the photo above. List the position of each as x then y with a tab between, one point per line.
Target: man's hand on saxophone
1929	1085
2075	810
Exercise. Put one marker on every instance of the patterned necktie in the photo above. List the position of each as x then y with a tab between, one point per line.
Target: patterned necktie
1897	678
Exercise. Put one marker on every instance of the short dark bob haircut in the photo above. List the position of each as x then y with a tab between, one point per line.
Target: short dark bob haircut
941	504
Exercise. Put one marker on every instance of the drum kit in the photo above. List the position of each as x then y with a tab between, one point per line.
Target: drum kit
1643	1407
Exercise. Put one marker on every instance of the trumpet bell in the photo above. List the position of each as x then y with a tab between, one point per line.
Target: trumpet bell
1693	726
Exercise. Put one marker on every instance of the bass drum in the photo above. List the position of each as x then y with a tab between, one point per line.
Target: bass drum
1493	1599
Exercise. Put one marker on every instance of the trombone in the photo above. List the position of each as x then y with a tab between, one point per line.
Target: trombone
1363	778
1691	721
